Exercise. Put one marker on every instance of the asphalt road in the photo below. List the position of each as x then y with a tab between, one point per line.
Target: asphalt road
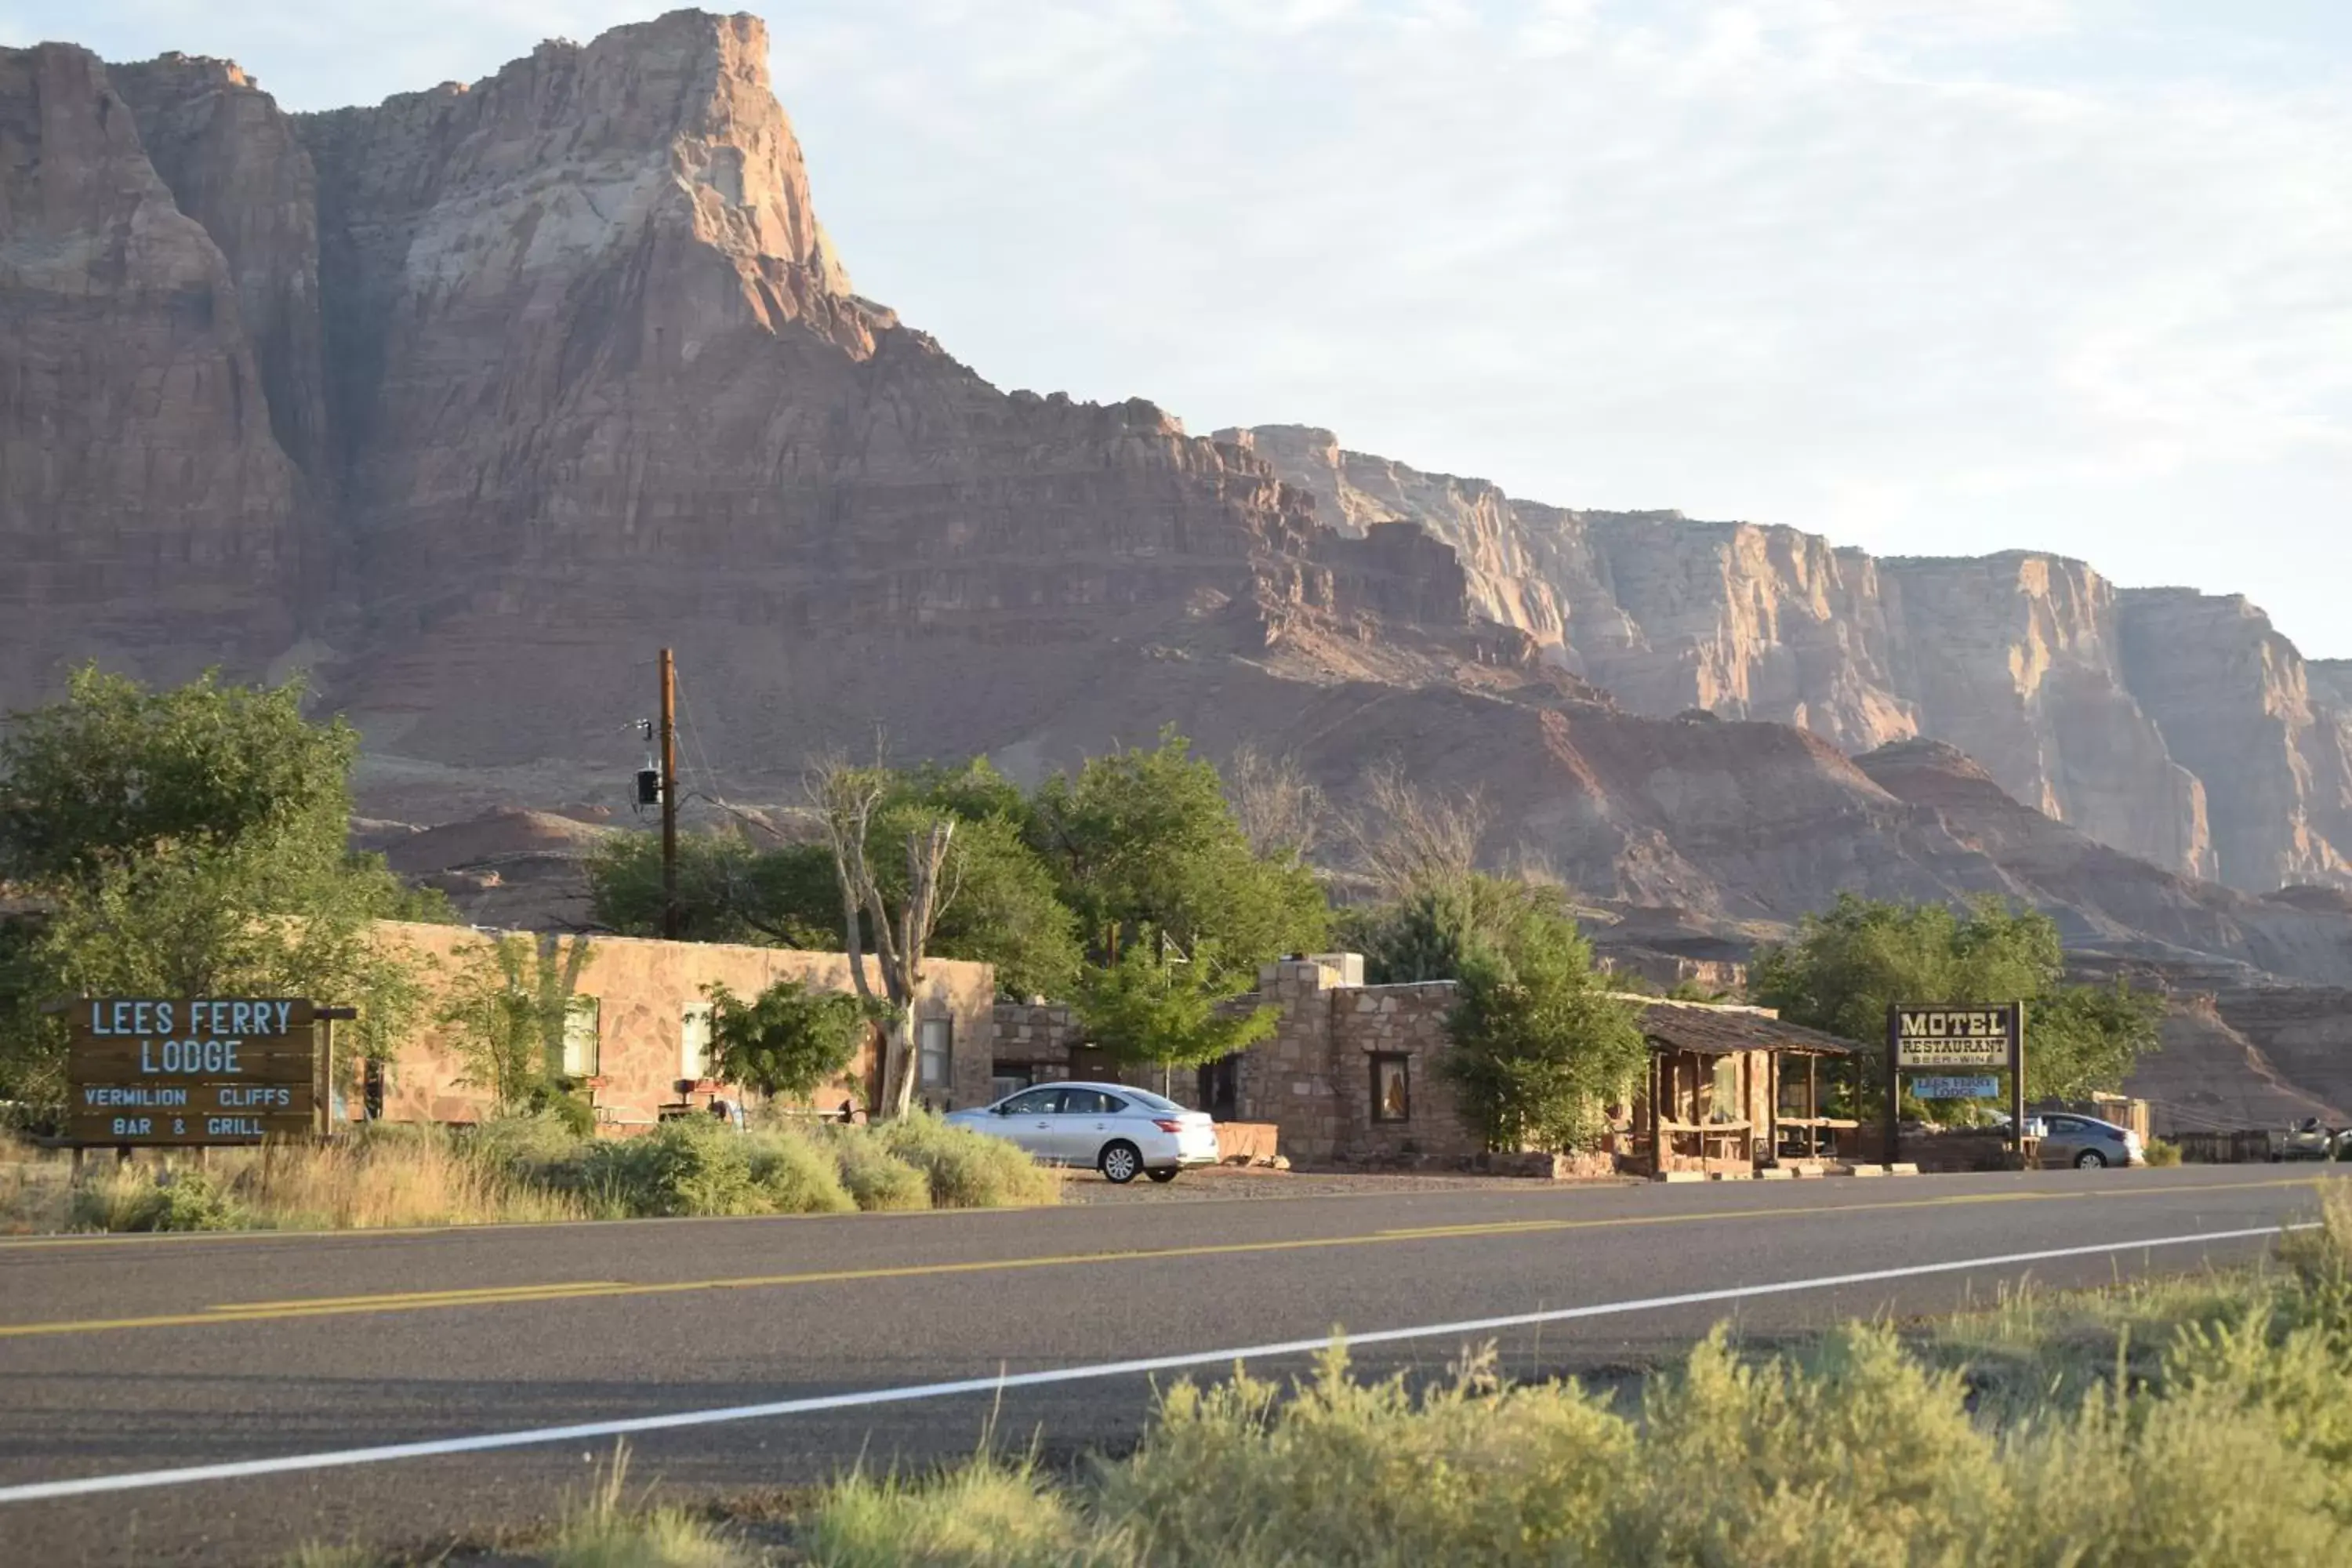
133	1358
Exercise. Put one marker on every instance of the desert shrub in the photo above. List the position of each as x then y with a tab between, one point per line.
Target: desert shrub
2159	1152
876	1178
523	1146
2231	1444
183	1200
796	1175
988	1514
968	1169
686	1167
1346	1472
1856	1455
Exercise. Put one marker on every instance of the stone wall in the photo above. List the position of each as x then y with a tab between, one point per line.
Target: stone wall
641	989
1314	1078
1288	1079
1038	1036
1406	1021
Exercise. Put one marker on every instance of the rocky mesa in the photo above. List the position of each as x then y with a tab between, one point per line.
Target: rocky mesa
2175	725
467	401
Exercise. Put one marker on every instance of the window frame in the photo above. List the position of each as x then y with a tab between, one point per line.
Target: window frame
923	1054
1402	1062
688	1014
593	1009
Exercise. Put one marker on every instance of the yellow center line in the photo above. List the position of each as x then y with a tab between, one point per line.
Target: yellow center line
511	1295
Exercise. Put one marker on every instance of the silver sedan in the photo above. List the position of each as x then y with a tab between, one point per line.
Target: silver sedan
1119	1130
2088	1143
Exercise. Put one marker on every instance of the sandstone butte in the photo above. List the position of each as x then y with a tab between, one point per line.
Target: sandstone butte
464	402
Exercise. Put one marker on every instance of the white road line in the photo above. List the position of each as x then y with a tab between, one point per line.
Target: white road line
142	1480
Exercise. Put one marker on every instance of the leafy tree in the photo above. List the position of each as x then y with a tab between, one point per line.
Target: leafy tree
1142	1008
788	1041
1006	911
728	889
1433	932
505	1012
188	842
1145	845
117	771
1849	965
1540	1050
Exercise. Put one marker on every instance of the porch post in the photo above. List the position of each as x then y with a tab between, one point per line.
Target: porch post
1813	1107
1657	1151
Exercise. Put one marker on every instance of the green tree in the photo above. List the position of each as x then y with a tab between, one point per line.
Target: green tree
507	1010
728	889
1144	1009
1540	1050
117	771
788	1041
1434	929
1847	965
1005	910
190	841
1145	847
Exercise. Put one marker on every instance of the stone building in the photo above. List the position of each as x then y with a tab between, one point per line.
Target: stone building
1353	1075
637	1024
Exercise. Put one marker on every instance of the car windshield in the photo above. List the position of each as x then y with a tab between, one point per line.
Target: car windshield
1150	1101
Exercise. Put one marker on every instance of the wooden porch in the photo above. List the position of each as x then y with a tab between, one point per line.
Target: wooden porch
1728	1090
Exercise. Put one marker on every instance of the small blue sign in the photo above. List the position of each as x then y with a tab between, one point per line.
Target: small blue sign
1955	1087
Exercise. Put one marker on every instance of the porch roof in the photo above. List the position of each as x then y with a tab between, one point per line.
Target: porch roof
1720	1031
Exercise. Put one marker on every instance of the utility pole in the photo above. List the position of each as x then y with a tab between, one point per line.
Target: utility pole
669	794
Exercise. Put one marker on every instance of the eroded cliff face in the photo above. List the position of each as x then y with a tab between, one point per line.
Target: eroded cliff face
148	516
232	162
597	367
2171	726
505	384
2238	702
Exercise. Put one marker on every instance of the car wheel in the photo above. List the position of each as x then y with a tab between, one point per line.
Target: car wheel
2090	1160
1119	1163
1162	1177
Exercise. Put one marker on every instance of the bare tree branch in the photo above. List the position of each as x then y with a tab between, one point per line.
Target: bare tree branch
1280	811
1402	836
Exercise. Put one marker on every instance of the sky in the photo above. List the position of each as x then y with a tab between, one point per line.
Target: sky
1930	276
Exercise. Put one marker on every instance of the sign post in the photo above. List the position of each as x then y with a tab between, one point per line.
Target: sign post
1943	1037
194	1072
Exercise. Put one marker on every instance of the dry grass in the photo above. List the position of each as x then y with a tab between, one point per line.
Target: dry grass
524	1169
35	1189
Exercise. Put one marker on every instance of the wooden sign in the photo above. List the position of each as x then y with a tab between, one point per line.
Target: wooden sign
1977	1036
191	1071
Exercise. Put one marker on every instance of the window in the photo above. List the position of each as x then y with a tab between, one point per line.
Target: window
1009	1081
1083	1102
935	1040
694	1041
1392	1089
581	1052
1723	1102
1037	1102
